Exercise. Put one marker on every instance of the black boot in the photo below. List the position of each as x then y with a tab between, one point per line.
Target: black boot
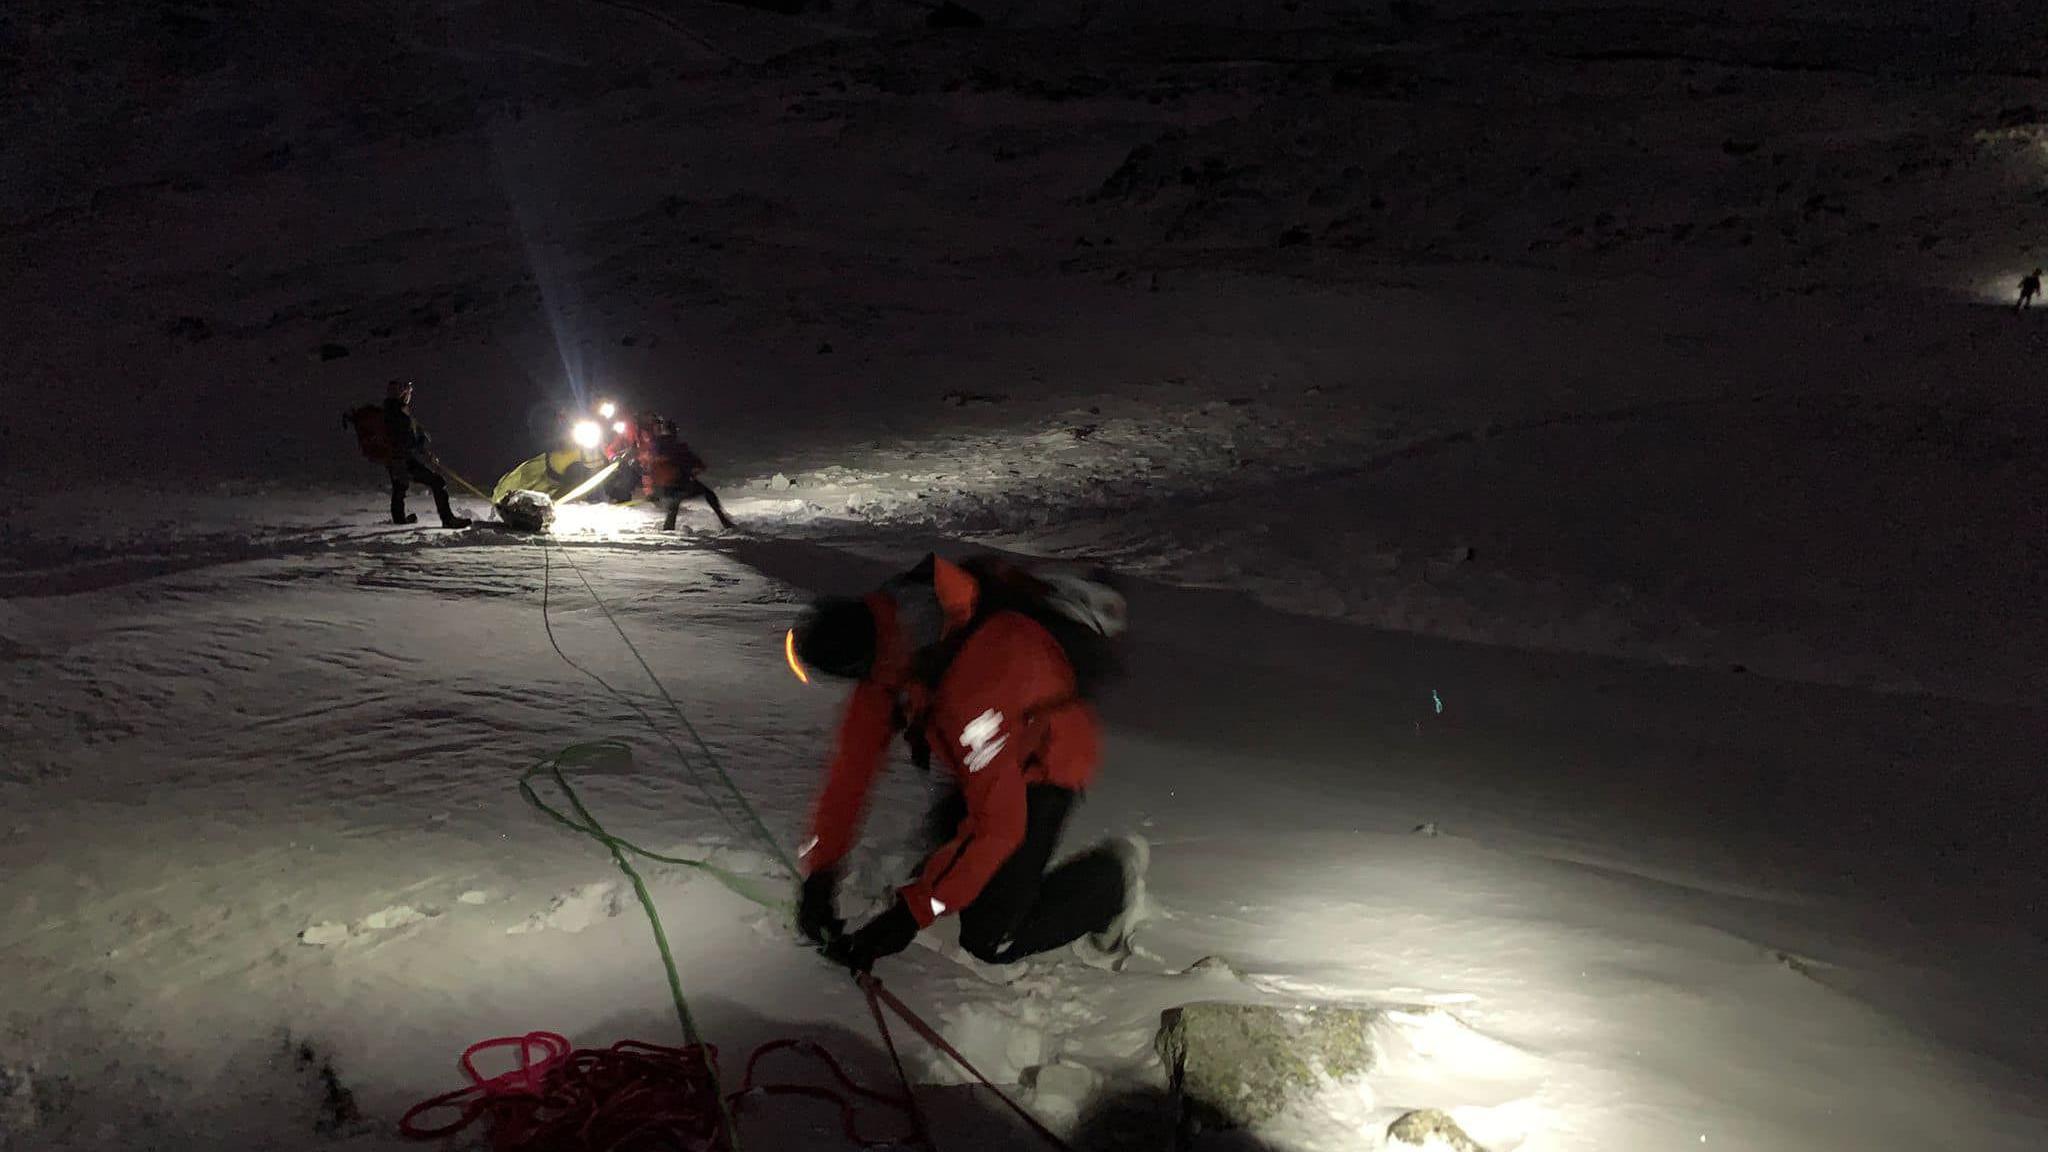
718	509
668	523
448	517
398	515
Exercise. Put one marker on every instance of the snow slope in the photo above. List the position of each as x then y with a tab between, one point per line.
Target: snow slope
206	765
1606	633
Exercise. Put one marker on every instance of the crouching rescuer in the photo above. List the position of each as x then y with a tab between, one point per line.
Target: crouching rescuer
987	670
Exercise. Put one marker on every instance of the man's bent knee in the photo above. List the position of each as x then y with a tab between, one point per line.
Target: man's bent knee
987	946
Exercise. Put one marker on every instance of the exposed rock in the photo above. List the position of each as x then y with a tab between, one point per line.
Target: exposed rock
1237	1065
1431	1129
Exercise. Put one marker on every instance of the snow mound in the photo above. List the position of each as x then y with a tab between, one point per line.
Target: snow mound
998	1038
324	934
1059	1090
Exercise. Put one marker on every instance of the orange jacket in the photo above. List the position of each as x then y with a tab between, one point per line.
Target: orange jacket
1004	715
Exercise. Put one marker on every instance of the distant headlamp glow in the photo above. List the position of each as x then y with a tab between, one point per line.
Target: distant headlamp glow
619	426
586	433
789	650
607	409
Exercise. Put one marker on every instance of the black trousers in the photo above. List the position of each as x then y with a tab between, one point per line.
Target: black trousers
1025	909
403	472
674	498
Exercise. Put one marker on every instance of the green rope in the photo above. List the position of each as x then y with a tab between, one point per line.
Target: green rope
547	584
767	838
622	849
592	752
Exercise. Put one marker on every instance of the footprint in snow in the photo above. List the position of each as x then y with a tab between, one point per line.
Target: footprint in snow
328	933
574	910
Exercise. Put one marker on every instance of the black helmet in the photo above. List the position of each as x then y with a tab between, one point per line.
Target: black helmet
837	637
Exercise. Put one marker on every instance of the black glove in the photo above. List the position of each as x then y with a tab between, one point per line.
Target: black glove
885	935
815	917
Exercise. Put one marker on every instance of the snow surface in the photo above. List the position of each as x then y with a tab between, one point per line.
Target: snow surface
1584	481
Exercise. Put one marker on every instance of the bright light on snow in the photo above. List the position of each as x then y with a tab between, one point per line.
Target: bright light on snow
598	521
2002	287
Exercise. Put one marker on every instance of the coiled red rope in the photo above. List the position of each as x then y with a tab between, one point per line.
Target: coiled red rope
640	1097
630	1097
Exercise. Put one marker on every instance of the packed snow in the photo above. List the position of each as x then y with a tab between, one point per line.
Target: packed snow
1580	470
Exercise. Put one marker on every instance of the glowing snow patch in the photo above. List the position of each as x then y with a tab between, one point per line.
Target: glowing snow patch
1433	1034
597	521
2003	288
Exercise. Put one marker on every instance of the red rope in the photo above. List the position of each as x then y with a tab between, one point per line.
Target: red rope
640	1097
848	1116
631	1097
879	996
871	986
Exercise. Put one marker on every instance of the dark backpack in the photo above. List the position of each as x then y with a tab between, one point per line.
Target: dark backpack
373	435
1083	611
1089	639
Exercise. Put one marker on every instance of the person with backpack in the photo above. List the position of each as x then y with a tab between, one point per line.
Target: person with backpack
407	453
2030	287
670	472
987	669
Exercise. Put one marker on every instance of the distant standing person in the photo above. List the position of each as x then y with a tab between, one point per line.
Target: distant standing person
2030	287
412	458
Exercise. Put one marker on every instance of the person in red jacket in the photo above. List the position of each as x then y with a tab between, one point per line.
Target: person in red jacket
670	471
995	697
